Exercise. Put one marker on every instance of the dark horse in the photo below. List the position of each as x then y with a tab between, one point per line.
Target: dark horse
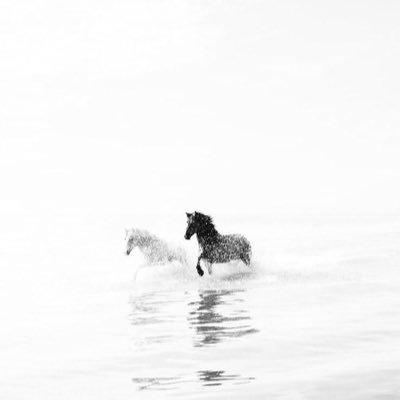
214	247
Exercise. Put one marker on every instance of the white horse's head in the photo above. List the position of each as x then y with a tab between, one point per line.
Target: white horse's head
130	240
136	238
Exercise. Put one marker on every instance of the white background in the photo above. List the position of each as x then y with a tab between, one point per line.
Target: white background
129	113
155	106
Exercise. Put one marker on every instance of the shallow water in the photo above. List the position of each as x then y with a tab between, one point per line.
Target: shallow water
317	315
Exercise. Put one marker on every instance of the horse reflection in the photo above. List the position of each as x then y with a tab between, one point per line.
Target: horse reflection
211	325
217	378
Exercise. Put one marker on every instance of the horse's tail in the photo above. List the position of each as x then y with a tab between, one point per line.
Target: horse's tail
247	252
250	252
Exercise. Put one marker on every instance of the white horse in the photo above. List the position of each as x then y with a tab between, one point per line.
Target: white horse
155	250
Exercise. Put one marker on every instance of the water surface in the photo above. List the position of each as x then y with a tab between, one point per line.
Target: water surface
317	316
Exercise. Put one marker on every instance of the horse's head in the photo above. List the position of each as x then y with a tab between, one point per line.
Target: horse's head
191	225
200	224
130	241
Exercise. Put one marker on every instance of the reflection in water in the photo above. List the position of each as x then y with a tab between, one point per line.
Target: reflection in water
217	378
149	314
165	383
145	310
158	320
206	378
211	326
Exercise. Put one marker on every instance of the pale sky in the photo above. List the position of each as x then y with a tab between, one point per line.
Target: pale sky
238	106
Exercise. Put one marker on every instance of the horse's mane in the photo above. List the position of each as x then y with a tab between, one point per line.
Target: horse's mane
142	236
206	224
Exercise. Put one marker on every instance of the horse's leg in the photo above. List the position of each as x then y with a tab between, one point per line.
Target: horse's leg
182	257
198	267
209	267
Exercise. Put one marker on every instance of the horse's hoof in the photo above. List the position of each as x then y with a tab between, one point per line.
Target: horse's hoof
199	270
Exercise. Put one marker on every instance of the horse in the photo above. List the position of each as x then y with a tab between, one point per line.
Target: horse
214	247
155	250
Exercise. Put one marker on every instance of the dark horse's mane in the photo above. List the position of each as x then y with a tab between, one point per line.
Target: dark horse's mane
205	225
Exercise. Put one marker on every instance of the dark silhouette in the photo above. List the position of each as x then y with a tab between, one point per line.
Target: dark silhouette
214	247
210	322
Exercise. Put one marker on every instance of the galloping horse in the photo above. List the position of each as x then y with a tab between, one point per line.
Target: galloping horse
214	247
155	250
